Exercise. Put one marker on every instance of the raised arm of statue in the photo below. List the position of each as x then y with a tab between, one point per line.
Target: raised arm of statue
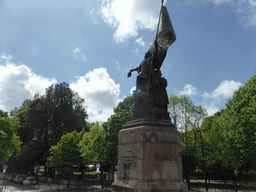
131	70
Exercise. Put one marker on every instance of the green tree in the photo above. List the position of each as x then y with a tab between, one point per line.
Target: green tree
25	132
212	144
175	108
24	161
9	141
232	133
56	113
188	118
91	145
66	153
122	114
236	130
239	126
46	118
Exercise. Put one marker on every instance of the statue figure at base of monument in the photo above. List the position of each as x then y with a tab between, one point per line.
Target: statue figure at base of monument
152	103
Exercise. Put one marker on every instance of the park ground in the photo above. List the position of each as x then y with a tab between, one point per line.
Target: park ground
196	185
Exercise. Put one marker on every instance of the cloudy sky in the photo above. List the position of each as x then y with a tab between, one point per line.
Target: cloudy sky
91	45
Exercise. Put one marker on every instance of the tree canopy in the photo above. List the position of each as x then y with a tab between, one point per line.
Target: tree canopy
9	141
91	145
46	118
187	117
66	153
122	114
236	129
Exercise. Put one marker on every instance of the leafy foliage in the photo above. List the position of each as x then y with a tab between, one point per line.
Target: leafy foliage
91	145
25	132
45	119
184	113
229	136
66	153
122	114
188	118
9	141
237	126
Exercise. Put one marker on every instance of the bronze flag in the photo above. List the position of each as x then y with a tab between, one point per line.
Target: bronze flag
165	37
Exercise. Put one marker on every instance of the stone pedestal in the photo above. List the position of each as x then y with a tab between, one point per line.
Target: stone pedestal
149	157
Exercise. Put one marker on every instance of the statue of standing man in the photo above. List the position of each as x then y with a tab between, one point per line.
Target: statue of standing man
150	96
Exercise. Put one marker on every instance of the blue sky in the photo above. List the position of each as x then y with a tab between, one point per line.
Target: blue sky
91	45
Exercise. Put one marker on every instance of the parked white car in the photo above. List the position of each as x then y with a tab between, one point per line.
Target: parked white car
29	181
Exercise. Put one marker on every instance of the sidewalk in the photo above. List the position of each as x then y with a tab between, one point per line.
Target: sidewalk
47	187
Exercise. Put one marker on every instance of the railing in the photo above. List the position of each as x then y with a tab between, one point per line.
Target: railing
4	187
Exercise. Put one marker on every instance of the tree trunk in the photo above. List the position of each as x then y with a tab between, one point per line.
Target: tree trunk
187	165
111	174
187	176
234	180
235	185
69	175
205	178
45	171
101	175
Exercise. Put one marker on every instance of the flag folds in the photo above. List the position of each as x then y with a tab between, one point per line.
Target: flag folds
165	37
165	33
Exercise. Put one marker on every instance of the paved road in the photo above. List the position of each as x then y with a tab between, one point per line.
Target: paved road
14	187
45	187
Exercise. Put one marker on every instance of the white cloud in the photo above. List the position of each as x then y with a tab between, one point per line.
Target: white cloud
132	89
128	17
211	101
140	42
206	95
6	58
226	89
100	92
218	2
188	90
17	83
211	110
252	7
78	54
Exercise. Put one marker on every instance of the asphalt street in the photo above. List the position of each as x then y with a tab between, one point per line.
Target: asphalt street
46	187
14	187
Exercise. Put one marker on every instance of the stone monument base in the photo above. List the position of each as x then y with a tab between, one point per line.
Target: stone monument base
149	158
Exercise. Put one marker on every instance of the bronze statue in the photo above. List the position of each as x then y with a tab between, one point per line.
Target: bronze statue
143	73
150	96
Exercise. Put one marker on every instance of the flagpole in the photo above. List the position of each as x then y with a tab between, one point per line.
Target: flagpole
156	48
159	17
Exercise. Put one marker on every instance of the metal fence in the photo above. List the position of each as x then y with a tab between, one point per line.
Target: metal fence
4	187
